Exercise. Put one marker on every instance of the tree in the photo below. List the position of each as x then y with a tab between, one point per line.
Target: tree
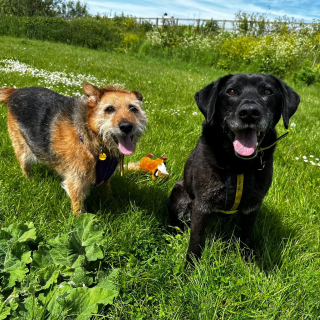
47	8
71	9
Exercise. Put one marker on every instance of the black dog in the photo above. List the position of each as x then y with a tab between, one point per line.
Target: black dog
230	170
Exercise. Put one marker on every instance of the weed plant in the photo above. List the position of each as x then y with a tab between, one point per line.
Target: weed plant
283	280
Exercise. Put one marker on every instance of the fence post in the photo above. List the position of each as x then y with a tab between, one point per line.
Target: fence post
157	22
223	24
198	23
177	21
139	20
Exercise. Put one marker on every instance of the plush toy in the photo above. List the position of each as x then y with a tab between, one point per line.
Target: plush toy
156	167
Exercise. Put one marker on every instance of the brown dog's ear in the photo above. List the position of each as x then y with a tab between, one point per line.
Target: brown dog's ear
290	102
206	98
93	94
138	95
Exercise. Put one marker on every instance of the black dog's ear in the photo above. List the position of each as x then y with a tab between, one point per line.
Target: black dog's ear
290	102
206	98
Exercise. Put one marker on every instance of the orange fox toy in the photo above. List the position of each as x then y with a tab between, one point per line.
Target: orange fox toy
156	167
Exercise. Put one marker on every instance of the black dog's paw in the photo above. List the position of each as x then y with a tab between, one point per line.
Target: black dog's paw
191	261
247	252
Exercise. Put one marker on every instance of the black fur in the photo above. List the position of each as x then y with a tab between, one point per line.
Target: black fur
202	191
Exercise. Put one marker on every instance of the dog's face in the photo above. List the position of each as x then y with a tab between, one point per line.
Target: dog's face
246	107
116	116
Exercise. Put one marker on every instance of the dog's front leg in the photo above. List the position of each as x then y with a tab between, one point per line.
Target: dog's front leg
77	190
198	226
247	222
105	188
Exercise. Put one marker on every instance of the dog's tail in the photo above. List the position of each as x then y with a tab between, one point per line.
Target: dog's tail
5	94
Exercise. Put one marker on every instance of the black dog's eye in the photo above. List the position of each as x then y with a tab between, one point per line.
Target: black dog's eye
110	110
231	92
267	92
133	108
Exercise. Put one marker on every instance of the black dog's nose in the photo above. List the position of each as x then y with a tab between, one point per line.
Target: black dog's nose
249	113
125	126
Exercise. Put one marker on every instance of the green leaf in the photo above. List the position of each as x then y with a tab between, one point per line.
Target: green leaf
41	258
108	282
50	274
65	252
19	232
14	262
41	279
4	311
87	231
94	252
83	302
81	277
49	298
29	308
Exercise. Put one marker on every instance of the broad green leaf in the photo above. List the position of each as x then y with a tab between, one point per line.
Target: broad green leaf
50	274
41	279
65	252
20	232
9	305
3	253
29	284
49	299
108	281
4	311
14	263
87	231
94	252
29	308
82	277
83	302
41	258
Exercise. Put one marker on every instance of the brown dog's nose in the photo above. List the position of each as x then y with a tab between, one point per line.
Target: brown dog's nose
126	126
249	113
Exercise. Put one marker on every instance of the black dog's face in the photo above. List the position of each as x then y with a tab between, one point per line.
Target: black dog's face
245	107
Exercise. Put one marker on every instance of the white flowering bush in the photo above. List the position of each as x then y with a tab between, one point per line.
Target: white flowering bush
275	53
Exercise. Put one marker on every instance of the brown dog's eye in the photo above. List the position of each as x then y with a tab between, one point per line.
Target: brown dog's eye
231	92
133	108
267	92
110	110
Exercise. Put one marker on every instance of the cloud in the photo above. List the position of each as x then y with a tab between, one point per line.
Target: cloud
207	9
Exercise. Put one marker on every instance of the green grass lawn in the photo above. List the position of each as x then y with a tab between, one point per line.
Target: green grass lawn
284	280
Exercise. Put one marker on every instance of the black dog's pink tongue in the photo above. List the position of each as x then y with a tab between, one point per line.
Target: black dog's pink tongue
245	142
126	146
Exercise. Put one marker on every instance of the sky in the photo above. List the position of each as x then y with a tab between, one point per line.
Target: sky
306	10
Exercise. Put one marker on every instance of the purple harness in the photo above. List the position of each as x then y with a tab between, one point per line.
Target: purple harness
104	168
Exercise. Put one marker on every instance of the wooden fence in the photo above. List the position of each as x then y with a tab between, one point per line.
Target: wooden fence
225	25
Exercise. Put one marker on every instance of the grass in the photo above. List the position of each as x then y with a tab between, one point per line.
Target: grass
284	280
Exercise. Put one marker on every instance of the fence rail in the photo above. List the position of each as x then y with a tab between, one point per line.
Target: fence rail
225	25
175	21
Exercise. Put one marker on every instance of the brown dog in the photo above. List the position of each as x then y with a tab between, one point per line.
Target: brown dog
81	138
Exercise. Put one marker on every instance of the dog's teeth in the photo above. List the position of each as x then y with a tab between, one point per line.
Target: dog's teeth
256	144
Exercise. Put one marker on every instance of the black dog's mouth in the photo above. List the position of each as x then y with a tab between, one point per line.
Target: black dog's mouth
246	143
125	144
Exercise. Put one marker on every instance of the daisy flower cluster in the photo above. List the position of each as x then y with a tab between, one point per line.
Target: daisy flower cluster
312	160
48	78
148	106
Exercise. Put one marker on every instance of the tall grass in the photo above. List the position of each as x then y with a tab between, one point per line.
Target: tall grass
282	283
